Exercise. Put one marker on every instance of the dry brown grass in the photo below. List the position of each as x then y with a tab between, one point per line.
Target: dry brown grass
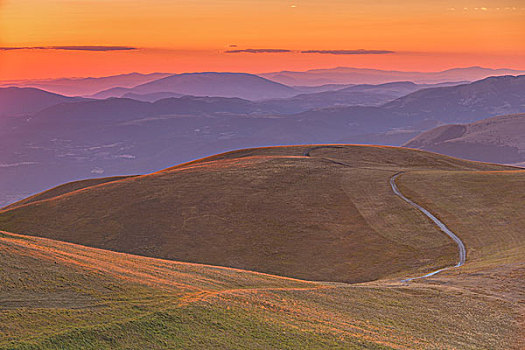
61	295
486	210
270	210
331	216
484	207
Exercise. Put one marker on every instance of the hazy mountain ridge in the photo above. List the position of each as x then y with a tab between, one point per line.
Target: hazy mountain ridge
355	95
363	95
320	97
465	103
87	86
241	85
429	107
349	75
25	101
317	80
499	139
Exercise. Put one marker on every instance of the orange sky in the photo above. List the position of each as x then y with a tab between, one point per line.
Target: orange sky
189	35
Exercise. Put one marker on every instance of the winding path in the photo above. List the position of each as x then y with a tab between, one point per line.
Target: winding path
440	224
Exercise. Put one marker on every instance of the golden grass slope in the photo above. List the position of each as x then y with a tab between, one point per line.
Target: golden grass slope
485	209
330	216
58	295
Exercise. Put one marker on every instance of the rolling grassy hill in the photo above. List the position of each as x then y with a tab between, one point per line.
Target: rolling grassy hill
62	295
330	216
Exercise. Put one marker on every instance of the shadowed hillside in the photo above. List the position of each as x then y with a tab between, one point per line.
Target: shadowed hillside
16	101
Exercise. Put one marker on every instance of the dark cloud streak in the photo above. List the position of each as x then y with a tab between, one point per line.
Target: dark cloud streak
259	51
72	48
101	48
349	52
325	52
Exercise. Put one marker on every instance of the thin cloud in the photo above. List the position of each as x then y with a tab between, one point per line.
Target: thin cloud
325	52
71	48
259	51
349	52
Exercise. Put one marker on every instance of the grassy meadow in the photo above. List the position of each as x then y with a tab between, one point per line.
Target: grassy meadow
313	250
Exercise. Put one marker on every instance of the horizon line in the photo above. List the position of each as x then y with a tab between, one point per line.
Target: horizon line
259	73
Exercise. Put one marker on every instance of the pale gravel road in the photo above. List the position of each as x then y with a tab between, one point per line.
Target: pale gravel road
439	223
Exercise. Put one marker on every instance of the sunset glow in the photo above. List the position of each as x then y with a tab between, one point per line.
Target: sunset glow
176	36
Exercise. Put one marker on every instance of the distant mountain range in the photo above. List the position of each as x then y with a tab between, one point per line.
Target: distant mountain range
153	97
362	95
119	136
251	87
499	139
348	75
124	93
24	101
280	85
242	85
464	103
87	86
427	108
31	100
